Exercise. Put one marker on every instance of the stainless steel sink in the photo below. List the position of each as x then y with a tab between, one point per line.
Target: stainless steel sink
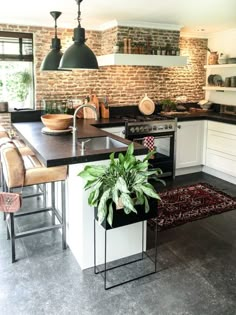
100	143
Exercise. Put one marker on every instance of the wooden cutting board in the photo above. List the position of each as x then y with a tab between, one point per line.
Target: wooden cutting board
146	106
88	113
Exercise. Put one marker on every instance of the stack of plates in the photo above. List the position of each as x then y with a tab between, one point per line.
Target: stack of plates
52	132
232	60
215	80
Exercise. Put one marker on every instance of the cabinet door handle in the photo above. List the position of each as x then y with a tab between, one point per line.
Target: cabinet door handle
179	126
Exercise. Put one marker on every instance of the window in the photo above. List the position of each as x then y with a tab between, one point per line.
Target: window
16	69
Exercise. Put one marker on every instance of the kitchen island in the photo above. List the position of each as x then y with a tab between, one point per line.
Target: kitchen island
58	150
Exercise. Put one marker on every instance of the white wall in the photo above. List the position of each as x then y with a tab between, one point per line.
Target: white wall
223	42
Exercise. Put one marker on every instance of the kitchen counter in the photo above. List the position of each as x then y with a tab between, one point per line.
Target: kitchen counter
57	150
208	115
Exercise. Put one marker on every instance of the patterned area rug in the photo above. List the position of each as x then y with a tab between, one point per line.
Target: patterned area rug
189	203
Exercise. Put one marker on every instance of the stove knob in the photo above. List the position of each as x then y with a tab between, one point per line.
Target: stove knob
170	126
154	128
150	128
146	128
132	129
141	128
137	129
166	126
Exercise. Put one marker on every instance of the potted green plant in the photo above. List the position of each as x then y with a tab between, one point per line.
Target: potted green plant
168	105
124	183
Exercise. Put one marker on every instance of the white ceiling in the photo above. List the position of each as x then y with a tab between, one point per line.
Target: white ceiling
193	15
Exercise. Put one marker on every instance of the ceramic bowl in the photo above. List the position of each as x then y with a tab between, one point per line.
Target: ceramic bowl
57	121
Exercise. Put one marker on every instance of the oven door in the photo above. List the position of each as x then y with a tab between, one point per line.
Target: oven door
164	145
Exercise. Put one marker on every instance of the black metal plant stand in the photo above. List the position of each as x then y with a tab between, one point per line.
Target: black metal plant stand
104	271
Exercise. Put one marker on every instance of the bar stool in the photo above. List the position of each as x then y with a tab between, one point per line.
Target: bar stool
20	172
24	151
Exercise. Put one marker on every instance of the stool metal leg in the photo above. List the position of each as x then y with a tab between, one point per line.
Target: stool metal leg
53	201
63	214
3	184
44	196
13	248
8	232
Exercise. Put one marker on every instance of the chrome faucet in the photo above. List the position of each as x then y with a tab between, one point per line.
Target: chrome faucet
74	129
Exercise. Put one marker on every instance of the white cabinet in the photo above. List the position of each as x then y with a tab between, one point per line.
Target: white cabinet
190	140
118	131
220	94
221	147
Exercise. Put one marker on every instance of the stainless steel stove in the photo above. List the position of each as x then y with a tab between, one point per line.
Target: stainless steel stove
161	132
150	127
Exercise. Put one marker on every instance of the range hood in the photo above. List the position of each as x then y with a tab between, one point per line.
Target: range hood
141	60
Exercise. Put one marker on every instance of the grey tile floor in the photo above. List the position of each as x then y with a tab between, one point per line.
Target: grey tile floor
196	263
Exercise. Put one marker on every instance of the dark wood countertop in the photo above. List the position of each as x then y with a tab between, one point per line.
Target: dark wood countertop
208	115
55	150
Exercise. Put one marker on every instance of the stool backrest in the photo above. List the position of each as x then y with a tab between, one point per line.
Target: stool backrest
12	165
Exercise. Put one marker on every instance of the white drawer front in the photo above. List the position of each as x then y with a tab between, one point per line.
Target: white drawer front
222	127
221	162
221	142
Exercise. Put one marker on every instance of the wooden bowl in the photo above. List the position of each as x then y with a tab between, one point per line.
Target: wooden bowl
57	121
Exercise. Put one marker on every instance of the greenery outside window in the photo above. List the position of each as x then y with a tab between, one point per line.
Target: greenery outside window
16	69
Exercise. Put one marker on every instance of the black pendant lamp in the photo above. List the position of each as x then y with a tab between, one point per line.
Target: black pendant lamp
52	60
79	55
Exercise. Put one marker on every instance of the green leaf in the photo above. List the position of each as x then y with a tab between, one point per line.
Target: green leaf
112	158
146	204
110	214
95	196
142	166
102	206
96	170
126	210
128	202
139	198
90	198
121	157
147	157
85	175
150	191
130	150
121	185
139	178
95	184
115	196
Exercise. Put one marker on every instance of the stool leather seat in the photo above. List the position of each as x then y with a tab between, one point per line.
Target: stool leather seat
20	171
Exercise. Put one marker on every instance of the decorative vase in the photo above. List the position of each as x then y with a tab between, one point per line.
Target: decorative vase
213	58
116	49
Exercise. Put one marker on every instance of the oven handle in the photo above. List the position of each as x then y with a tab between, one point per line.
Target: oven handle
158	137
155	137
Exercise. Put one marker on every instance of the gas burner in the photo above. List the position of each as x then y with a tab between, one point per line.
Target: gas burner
125	118
140	118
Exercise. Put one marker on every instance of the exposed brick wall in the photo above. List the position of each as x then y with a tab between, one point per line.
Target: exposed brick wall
123	84
148	37
154	37
109	39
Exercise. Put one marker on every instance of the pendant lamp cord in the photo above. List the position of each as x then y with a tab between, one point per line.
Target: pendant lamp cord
79	12
55	28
